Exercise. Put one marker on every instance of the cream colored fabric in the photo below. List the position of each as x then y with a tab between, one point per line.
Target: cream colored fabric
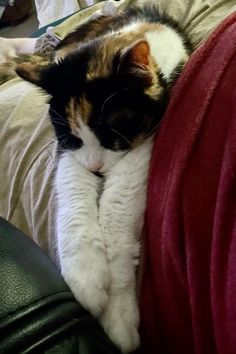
78	18
48	10
27	142
199	18
27	160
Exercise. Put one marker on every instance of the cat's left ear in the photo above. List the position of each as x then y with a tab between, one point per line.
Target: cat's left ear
42	75
135	60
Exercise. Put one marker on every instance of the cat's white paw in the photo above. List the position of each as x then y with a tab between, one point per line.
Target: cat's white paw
120	320
7	50
88	277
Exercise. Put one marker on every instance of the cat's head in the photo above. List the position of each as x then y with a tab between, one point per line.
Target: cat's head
105	99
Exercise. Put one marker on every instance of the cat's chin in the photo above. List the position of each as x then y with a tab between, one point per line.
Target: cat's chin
103	165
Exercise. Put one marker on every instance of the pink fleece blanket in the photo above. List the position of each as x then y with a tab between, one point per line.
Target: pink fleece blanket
188	296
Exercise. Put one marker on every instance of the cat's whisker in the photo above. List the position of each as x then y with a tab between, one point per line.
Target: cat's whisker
52	140
61	136
53	110
153	130
110	97
63	141
56	138
58	122
122	136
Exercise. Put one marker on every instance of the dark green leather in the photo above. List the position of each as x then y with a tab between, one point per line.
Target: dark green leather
38	313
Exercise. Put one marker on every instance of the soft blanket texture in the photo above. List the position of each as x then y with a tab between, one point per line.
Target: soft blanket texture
48	11
188	297
198	19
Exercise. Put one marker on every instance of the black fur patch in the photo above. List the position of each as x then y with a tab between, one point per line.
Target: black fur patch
63	81
121	111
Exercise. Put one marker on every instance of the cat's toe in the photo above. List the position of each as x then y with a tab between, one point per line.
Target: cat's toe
120	320
91	296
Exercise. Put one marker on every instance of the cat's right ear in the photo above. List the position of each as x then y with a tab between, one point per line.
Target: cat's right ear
135	61
42	75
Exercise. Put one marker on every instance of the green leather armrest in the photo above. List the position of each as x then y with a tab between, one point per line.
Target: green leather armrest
38	313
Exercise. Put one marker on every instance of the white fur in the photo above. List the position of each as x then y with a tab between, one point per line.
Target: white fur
98	232
92	155
162	43
81	246
121	212
99	222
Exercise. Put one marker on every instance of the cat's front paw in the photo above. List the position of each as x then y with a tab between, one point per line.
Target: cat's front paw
120	320
7	50
88	277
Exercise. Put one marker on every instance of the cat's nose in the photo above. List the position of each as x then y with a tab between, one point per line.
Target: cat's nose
95	166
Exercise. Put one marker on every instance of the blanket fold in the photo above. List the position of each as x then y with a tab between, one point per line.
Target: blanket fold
188	298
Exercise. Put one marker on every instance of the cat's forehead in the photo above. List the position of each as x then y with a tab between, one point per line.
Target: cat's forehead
78	109
90	100
104	50
99	63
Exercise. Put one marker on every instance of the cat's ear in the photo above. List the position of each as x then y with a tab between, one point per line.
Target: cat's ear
30	72
135	60
42	75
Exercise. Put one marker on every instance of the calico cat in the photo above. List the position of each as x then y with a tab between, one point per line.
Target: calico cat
109	85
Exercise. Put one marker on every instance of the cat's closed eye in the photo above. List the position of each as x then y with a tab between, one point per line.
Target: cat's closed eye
71	142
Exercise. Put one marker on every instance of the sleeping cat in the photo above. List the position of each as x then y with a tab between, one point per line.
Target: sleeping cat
109	86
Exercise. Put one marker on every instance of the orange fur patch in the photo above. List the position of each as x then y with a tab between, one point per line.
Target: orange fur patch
72	115
77	110
31	70
139	139
140	53
85	109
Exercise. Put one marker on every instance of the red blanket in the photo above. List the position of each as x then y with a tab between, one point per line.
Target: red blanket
188	297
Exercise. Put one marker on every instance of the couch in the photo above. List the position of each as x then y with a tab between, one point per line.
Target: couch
188	289
38	313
